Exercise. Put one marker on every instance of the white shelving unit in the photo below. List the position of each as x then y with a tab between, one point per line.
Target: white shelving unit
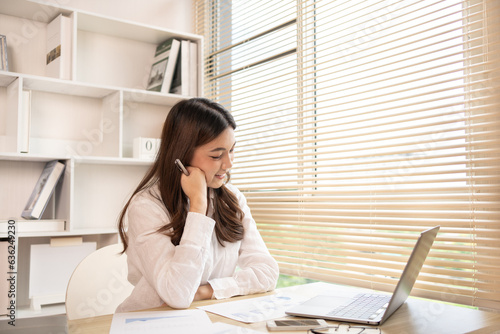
88	122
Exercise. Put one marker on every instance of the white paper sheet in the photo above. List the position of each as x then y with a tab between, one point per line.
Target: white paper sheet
257	309
177	321
223	328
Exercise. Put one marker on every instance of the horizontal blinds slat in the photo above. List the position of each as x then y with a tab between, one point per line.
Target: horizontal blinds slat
257	197
335	235
338	221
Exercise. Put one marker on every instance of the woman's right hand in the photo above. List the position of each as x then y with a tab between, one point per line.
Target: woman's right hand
195	188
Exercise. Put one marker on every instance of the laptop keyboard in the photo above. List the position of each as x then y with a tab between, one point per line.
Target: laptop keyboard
364	306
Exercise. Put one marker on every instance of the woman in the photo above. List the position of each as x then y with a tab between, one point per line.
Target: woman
185	235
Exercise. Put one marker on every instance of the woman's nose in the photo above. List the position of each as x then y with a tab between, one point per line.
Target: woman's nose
227	163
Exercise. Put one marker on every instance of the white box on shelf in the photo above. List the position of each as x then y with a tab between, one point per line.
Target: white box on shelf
58	48
145	148
193	69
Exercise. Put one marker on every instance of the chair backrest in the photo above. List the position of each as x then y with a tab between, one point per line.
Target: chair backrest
98	284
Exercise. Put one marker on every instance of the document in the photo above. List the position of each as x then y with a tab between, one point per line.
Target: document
271	307
177	321
256	309
223	328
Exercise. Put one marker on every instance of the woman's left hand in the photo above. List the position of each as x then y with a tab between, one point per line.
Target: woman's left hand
204	292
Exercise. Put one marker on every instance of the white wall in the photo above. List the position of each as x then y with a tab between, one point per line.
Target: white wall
170	14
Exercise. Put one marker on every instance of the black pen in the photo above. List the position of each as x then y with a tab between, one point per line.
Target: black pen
181	167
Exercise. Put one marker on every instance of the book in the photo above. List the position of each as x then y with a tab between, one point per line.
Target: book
180	84
193	69
43	190
4	64
58	48
162	70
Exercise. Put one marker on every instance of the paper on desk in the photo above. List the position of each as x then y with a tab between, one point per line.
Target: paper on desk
223	328
178	321
257	309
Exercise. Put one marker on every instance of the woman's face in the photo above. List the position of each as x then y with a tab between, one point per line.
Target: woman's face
216	158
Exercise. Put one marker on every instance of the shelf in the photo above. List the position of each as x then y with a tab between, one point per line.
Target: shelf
113	161
144	96
69	87
93	231
26	227
85	160
6	78
126	29
30	157
59	86
47	310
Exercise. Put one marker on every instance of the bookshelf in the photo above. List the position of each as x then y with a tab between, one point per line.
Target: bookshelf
88	122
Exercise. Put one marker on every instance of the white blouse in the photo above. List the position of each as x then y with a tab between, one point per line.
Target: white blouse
164	273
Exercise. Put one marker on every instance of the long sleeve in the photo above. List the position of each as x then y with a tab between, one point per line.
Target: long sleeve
258	270
173	271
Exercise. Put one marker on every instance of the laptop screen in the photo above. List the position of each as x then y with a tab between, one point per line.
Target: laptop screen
412	269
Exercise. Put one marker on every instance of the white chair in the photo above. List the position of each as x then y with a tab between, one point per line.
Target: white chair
98	284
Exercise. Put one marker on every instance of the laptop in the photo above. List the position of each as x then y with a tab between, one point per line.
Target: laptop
370	308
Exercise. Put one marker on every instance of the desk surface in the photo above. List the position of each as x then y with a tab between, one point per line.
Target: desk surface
415	316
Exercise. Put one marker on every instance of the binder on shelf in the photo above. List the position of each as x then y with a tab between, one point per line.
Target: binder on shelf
193	69
25	122
4	64
58	48
162	70
180	84
43	190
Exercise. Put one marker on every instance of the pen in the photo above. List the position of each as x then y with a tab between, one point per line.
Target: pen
181	167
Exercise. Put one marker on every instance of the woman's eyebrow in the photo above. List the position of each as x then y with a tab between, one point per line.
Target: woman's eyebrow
218	149
222	148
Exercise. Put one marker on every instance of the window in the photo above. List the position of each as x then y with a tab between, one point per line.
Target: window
360	124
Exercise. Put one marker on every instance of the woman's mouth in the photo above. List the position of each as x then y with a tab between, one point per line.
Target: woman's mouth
220	176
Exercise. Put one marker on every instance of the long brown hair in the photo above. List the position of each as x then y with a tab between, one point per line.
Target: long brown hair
189	124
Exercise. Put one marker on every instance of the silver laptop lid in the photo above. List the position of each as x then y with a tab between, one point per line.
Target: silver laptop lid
411	271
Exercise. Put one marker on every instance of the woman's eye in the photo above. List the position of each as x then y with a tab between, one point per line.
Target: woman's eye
217	157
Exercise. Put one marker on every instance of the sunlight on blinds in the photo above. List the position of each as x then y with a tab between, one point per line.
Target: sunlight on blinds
360	124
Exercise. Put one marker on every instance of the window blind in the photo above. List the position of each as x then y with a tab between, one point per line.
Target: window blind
361	124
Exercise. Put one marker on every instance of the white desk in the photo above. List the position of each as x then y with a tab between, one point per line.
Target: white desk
414	317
